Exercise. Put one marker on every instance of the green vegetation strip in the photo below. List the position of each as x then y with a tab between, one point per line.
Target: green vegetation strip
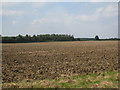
104	80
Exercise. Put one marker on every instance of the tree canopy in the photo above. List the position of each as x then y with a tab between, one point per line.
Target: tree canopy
38	38
46	38
97	37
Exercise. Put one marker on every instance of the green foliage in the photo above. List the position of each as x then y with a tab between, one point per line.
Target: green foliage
38	38
96	37
47	37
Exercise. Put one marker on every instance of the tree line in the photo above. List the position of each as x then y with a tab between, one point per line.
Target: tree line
38	38
46	38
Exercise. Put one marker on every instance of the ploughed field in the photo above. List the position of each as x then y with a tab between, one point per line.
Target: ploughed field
51	60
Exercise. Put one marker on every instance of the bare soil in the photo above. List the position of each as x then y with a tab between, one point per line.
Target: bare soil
55	59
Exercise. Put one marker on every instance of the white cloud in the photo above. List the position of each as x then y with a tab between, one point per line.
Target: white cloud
7	4
57	16
45	20
12	12
60	0
102	0
14	22
0	12
96	0
103	12
108	11
40	4
86	17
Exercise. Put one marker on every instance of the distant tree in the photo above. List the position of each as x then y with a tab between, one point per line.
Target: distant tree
97	37
0	38
27	38
77	39
38	38
34	38
19	38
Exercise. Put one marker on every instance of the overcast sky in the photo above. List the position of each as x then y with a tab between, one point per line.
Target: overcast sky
81	19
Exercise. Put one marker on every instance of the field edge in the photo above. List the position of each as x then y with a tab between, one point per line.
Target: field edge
103	80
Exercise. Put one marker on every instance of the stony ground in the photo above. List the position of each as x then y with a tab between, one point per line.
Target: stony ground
50	60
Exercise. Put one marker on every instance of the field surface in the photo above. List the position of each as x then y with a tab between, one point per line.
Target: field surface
52	60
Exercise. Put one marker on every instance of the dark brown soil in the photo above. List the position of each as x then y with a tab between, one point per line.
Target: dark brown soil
53	59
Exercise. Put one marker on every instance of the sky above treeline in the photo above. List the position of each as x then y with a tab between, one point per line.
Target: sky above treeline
81	19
